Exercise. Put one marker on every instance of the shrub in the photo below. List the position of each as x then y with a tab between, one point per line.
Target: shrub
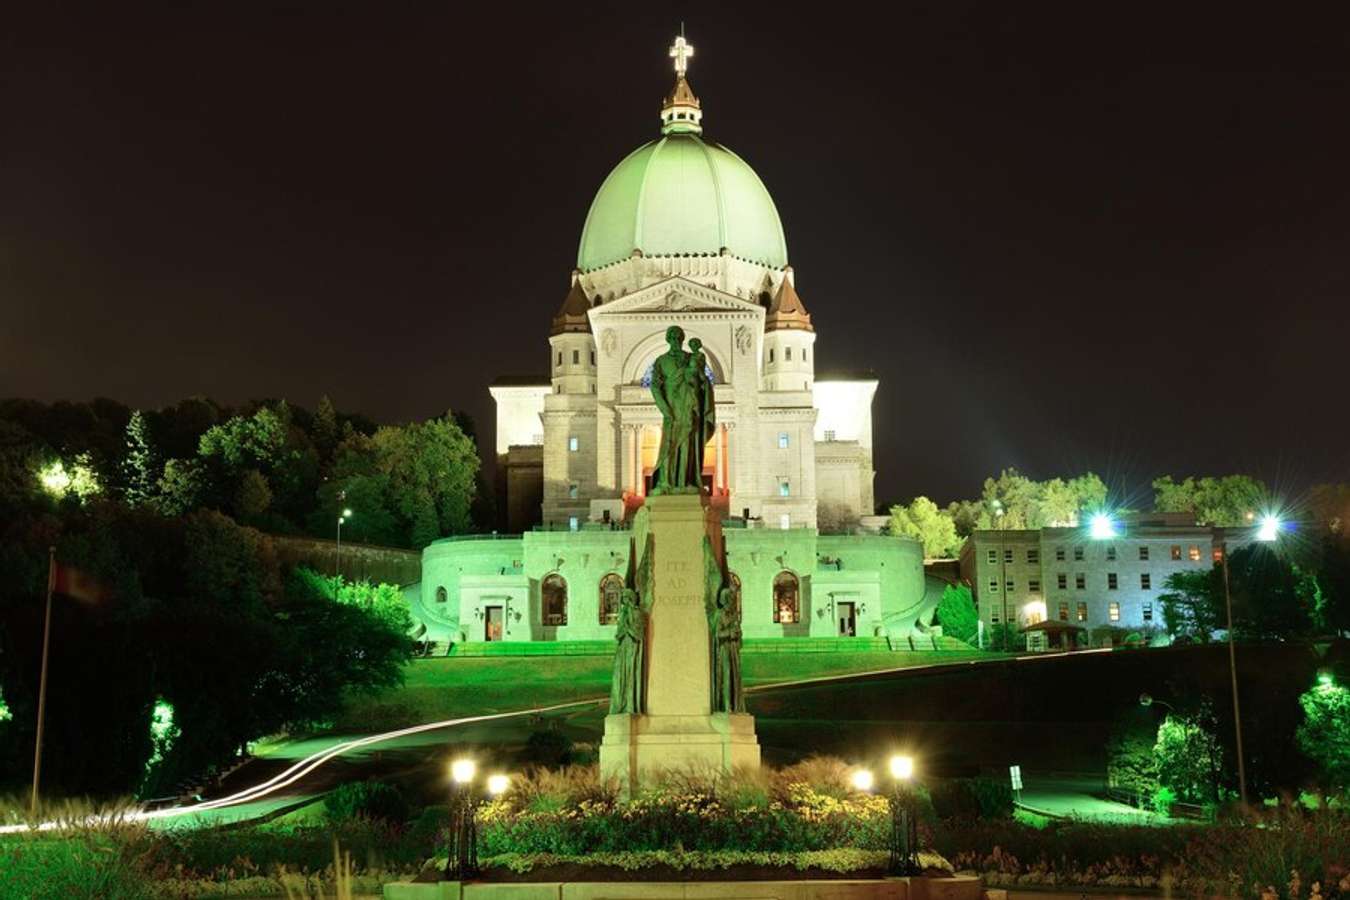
548	747
1162	801
366	800
971	798
573	812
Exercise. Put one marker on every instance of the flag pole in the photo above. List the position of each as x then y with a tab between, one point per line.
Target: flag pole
42	681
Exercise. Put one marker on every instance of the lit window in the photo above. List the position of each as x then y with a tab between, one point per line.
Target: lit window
1080	581
1111	554
1033	556
1148	610
611	593
1176	551
786	599
1062	581
1064	610
1111	584
1059	554
1082	611
573	523
1007	555
829	435
1143	553
785	521
574	443
1218	554
782	440
784	489
993	585
1145	581
572	491
1077	554
993	557
1194	553
1033	585
553	592
1114	611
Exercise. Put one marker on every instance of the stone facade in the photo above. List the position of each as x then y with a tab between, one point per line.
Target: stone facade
794	583
1063	574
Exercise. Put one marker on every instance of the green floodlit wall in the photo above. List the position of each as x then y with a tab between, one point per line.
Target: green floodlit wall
881	576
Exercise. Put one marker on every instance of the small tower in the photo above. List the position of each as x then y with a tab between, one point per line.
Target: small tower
680	111
571	344
789	341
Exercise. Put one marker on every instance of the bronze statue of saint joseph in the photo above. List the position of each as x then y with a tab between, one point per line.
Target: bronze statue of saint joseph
684	396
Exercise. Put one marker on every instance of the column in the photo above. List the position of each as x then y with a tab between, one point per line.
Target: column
639	489
719	481
625	457
730	461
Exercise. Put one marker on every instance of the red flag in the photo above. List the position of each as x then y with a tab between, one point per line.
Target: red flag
77	584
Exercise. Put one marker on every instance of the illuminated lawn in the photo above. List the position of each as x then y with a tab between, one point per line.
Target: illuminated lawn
446	688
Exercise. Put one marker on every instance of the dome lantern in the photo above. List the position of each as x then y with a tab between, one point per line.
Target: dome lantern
680	111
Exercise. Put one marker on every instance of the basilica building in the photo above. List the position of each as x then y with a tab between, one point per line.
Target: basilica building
681	232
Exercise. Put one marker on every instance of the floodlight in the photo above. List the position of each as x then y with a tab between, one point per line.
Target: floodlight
1269	529
346	514
497	784
862	780
1102	527
902	767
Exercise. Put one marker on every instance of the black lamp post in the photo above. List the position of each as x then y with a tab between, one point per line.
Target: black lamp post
462	860
904	823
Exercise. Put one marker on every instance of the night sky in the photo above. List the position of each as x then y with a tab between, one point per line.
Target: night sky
1111	239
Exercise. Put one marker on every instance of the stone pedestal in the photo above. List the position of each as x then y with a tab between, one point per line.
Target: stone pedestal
679	730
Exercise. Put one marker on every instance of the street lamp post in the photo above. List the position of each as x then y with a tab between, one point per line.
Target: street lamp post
904	825
1267	531
462	859
337	566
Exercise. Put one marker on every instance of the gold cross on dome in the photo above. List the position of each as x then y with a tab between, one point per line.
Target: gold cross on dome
680	51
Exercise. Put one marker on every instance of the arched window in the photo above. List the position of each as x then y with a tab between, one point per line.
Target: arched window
440	595
787	604
554	592
611	592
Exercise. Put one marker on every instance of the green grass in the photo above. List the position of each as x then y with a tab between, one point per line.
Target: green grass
448	688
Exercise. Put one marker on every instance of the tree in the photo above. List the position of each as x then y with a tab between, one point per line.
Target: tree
967	516
1329	506
930	526
1324	735
140	472
1187	756
180	487
1333	583
1192	605
418	481
1229	502
252	497
1018	496
325	429
1271	601
957	614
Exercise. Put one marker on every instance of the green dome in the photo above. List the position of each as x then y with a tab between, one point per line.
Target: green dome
678	195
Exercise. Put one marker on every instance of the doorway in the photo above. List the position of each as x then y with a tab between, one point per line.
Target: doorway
492	623
848	625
